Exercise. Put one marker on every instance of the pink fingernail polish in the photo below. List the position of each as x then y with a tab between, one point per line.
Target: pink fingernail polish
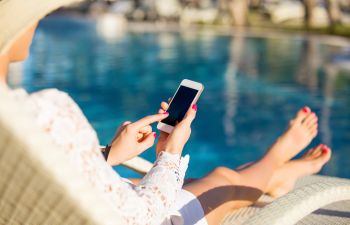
194	106
154	134
166	113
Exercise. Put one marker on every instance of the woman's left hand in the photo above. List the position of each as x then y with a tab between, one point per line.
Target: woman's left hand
132	139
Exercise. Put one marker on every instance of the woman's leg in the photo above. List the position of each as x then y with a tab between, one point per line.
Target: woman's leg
224	189
283	180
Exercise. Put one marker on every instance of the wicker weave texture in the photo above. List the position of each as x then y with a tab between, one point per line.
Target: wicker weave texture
28	196
337	213
299	203
38	185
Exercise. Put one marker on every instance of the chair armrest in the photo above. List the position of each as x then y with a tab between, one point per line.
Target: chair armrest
137	164
297	204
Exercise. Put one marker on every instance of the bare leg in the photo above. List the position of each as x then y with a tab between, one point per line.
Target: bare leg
224	189
283	180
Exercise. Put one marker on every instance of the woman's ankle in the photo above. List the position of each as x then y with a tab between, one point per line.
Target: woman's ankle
272	159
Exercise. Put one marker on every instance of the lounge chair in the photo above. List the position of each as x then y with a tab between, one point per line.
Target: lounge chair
316	200
38	186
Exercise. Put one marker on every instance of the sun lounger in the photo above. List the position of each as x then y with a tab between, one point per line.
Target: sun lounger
38	186
315	200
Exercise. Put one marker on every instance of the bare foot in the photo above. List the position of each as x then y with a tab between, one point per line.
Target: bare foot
283	180
302	129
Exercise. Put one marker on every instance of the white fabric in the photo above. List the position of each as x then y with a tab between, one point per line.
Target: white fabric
188	210
61	119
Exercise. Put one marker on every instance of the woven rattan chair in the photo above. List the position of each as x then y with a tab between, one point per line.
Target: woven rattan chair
316	200
38	186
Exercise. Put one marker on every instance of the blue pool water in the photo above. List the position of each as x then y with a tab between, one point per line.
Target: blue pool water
253	86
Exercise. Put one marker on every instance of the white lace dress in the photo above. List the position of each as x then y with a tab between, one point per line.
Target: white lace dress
150	202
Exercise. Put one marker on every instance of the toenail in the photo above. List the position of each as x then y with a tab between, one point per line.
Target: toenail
324	151
306	109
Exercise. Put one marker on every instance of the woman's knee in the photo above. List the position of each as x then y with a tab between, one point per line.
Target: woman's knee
230	175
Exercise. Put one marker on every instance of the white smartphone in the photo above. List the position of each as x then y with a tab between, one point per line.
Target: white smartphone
185	96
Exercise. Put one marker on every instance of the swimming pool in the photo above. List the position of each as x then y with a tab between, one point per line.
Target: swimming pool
253	85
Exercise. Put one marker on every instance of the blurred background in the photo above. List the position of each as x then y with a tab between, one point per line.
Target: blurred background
259	60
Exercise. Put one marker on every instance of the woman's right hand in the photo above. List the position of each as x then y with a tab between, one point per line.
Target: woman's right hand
176	140
132	139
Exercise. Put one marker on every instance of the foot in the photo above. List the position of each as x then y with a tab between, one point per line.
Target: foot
283	180
302	129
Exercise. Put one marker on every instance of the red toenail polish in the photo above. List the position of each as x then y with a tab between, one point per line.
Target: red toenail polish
305	109
194	107
324	151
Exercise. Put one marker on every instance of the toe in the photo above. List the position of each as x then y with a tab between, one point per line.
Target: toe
310	119
326	153
317	151
313	152
321	157
302	114
309	154
313	129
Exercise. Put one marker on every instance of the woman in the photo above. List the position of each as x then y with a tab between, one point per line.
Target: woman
159	197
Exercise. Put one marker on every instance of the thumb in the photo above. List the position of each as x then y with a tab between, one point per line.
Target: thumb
190	115
148	141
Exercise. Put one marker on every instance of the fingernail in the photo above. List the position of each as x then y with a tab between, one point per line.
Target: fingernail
306	109
166	113
194	106
154	134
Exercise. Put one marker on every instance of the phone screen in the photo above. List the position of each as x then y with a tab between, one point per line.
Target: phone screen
179	105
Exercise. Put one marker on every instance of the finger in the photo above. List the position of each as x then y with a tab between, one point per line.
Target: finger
161	111
169	100
190	115
148	141
149	120
126	123
164	106
139	136
146	129
121	127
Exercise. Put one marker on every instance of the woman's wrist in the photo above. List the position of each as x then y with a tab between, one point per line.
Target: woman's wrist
168	155
105	151
172	151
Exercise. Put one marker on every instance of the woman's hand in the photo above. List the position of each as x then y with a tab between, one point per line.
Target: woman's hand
176	140
132	139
